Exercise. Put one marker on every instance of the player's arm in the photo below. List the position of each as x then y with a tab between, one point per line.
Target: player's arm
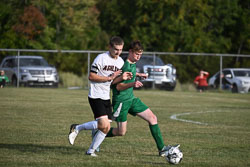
196	81
123	77
97	78
142	75
205	73
124	86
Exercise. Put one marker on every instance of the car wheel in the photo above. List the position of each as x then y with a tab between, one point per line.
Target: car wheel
235	88
170	88
14	81
55	85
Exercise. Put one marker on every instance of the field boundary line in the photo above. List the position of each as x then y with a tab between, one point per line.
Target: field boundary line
175	117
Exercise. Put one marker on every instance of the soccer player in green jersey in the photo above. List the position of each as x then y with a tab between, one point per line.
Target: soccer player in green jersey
3	79
125	102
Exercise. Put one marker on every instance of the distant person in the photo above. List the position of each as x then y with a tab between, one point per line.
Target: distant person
225	84
3	79
201	81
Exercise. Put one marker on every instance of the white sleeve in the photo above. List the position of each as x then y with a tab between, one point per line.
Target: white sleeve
96	65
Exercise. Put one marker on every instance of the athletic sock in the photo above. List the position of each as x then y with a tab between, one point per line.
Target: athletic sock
97	140
156	133
110	134
87	126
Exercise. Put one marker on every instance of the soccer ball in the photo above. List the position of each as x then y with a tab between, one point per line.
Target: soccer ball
174	155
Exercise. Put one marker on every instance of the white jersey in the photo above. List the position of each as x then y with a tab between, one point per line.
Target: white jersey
103	65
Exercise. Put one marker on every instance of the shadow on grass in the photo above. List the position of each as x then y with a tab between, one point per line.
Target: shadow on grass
37	148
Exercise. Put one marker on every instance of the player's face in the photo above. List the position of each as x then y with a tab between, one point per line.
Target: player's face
116	50
136	55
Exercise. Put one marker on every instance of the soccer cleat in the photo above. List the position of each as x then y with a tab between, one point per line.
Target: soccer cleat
162	153
91	154
94	131
72	133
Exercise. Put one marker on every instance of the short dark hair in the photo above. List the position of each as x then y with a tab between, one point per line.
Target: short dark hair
115	40
136	46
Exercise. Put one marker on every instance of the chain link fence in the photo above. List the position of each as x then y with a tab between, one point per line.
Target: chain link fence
91	53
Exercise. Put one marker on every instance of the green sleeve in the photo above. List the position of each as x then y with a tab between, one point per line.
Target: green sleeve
6	79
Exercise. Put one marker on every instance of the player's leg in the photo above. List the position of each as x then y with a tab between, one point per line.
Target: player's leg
120	113
120	130
149	116
4	82
87	126
140	109
103	128
75	129
1	84
102	111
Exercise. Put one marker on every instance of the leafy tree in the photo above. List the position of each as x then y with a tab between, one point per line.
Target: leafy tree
211	26
76	27
180	26
60	24
31	24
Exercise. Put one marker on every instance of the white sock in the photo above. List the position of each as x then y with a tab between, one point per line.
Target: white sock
97	141
87	126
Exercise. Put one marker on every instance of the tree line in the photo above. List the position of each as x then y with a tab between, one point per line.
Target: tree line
204	26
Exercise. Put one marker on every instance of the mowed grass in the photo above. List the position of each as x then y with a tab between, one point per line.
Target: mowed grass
34	125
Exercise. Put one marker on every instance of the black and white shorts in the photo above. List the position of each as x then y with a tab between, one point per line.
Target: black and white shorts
101	108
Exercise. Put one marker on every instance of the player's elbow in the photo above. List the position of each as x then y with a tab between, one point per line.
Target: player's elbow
91	76
119	87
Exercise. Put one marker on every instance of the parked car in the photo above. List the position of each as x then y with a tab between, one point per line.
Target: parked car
161	74
238	77
33	71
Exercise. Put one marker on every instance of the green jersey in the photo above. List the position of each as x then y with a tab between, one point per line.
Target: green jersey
4	77
126	94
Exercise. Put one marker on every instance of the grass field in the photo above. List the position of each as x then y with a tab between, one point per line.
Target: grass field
34	126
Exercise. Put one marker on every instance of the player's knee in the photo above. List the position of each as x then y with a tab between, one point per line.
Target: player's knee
106	130
153	120
121	133
104	127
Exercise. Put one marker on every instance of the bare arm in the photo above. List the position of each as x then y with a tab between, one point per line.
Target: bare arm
205	72
123	86
97	78
196	81
142	75
124	76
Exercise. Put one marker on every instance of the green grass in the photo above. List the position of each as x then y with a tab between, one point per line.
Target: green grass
34	125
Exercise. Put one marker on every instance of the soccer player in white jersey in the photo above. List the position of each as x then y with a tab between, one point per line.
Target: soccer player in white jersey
105	68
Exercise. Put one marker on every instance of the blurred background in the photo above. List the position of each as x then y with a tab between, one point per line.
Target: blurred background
192	26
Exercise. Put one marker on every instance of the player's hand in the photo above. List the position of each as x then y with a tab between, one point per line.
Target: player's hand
144	76
115	74
127	76
138	84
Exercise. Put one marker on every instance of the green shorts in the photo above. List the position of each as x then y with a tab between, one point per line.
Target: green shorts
133	106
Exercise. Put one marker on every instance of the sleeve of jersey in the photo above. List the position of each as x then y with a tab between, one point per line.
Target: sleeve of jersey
206	75
196	79
95	66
